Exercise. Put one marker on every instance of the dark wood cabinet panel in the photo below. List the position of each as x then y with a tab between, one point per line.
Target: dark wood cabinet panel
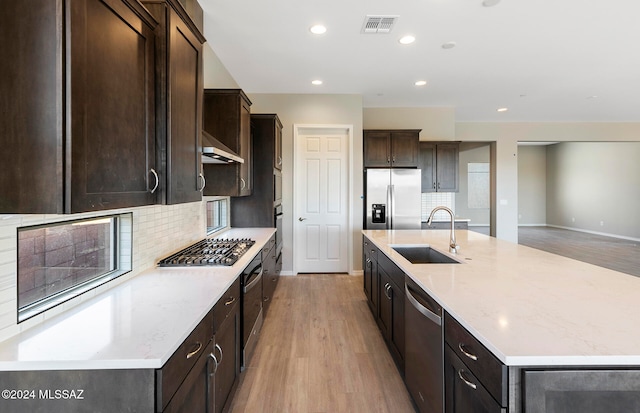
178	102
439	165
89	68
371	277
227	117
464	393
256	210
195	394
391	308
390	148
227	351
271	274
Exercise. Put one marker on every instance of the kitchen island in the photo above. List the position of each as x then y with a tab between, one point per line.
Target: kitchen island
112	346
534	311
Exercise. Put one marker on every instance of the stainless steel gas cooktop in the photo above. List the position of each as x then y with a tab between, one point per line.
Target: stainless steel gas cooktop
209	251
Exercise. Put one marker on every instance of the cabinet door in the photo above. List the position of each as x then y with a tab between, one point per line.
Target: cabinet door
31	108
376	149
246	178
427	166
185	114
112	107
464	393
391	317
404	149
227	353
447	167
195	394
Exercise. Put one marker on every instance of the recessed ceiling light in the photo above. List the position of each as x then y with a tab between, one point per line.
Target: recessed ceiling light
420	83
448	45
503	109
316	82
408	39
318	29
490	3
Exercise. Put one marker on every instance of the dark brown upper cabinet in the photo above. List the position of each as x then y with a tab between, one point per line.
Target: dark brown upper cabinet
227	117
256	210
439	165
77	113
391	148
178	102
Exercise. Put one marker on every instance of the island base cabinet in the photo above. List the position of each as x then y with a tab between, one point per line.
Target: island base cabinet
78	391
464	393
584	391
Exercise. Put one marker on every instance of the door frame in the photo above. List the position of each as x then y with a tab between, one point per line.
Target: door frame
297	128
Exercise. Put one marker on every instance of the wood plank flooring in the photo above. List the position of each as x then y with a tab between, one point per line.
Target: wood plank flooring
608	252
320	351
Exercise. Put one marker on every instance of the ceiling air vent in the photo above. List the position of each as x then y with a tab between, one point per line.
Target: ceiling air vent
379	24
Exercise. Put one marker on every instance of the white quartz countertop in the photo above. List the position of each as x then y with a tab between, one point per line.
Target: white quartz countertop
528	307
137	324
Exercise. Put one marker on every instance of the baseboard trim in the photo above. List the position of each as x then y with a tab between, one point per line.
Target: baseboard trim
604	234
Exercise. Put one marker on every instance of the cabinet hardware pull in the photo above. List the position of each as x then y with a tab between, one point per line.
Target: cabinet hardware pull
274	279
204	181
220	350
194	352
243	184
471	356
279	160
230	301
155	174
388	160
265	299
215	360
386	291
434	185
394	159
438	185
467	382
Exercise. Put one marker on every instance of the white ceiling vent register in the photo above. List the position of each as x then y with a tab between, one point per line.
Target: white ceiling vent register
379	24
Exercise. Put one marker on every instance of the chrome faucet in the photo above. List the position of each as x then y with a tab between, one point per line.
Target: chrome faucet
453	247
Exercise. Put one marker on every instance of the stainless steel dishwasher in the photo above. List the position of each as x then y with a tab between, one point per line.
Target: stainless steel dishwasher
424	344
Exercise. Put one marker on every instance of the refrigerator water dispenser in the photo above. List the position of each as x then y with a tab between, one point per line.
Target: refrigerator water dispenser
378	213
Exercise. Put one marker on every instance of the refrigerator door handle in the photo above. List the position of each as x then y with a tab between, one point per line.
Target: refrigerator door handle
391	208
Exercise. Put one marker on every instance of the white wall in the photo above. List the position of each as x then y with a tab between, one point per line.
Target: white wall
315	109
595	187
437	124
507	135
532	185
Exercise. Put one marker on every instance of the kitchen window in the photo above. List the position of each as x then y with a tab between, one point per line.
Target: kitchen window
217	215
60	261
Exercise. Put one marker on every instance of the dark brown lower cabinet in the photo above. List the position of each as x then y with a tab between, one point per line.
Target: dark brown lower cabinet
195	393
464	393
227	353
371	282
391	310
271	274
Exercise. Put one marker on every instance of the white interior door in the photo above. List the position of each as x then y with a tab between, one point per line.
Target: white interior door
321	221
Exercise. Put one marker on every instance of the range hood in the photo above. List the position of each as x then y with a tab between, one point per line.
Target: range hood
214	151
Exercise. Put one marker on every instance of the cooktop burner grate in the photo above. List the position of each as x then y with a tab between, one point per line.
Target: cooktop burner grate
209	251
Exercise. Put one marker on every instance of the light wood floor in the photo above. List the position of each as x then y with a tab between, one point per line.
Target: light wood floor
321	351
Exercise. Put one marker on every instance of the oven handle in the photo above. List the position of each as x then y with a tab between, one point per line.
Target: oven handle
253	283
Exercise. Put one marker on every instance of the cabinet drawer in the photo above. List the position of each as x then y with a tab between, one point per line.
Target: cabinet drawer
172	374
396	275
226	303
480	361
267	247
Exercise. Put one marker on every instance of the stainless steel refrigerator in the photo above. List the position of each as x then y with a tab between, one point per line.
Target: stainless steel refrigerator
392	198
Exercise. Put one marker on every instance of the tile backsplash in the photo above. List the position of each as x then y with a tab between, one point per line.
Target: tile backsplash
431	200
158	231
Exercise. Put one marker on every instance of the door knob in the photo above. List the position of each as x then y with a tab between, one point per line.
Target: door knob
301	219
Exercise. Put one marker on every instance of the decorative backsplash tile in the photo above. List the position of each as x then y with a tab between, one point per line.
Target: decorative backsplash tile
431	200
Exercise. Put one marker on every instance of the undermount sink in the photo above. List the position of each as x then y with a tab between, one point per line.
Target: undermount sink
423	255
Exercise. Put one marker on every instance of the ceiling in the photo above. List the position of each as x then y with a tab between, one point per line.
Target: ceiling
544	60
